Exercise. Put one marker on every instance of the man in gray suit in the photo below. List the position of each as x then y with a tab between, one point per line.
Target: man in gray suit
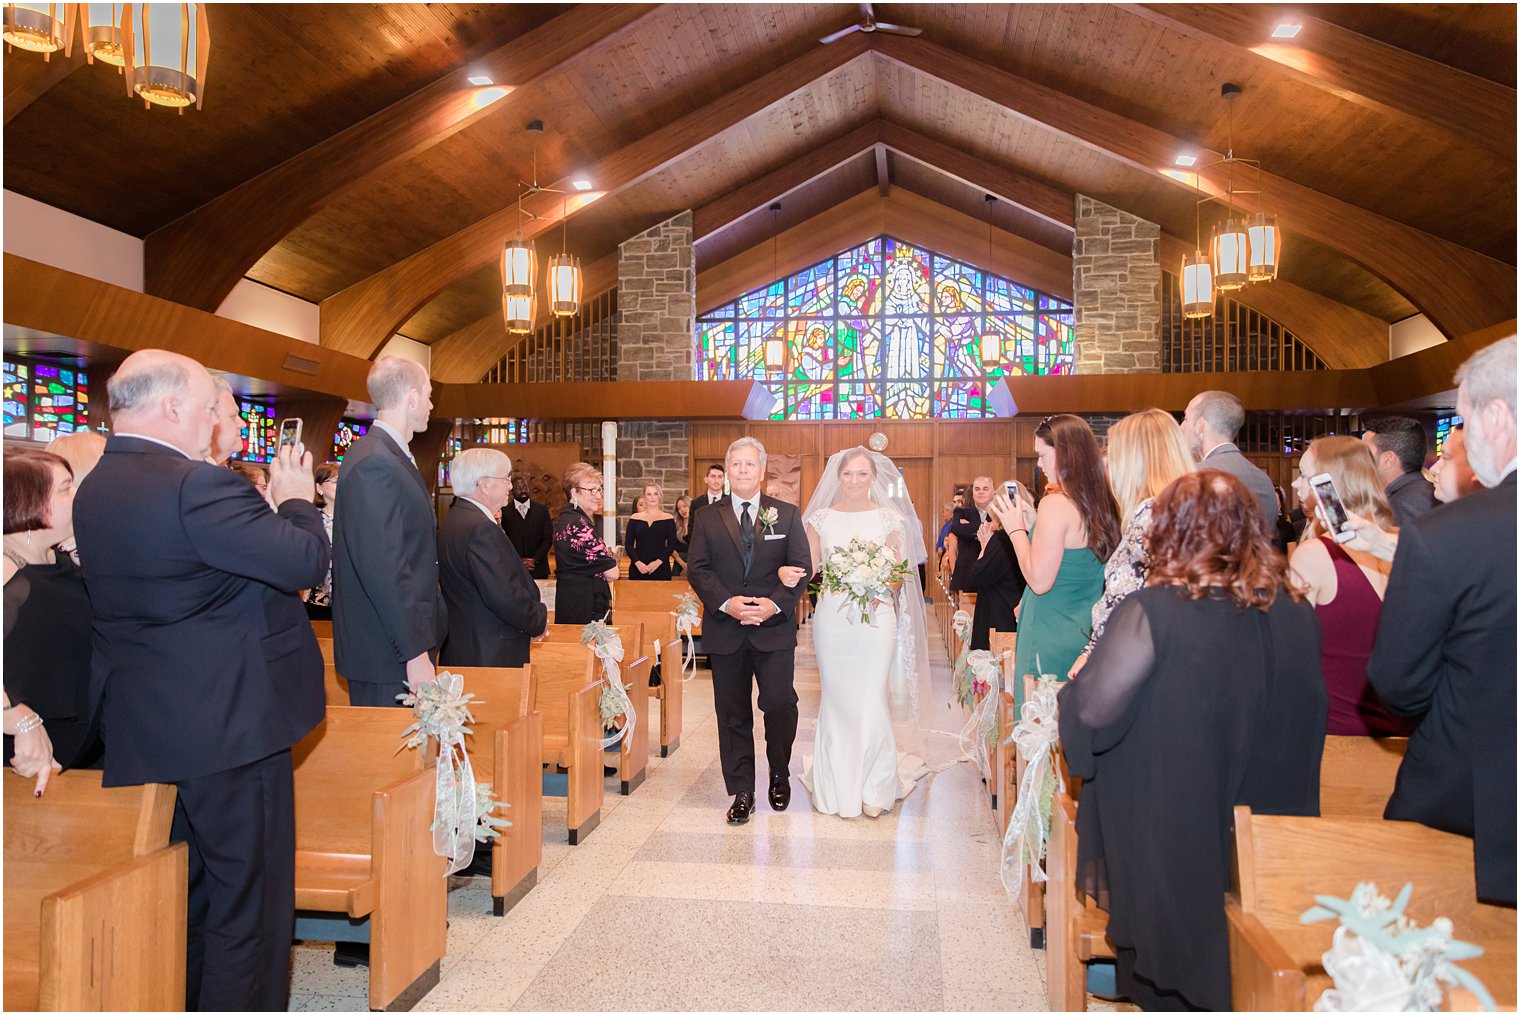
1212	420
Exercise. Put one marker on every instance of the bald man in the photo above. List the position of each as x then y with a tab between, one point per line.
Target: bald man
205	669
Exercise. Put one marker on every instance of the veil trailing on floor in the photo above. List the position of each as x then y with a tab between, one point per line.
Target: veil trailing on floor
908	683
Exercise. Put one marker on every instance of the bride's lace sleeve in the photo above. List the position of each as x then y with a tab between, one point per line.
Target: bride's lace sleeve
1099	705
817	518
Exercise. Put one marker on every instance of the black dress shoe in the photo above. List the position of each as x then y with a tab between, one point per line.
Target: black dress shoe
743	807
781	792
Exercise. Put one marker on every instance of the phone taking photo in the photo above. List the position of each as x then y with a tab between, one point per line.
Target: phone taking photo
1335	510
1014	490
290	433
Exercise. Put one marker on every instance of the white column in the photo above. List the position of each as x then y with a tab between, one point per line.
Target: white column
609	483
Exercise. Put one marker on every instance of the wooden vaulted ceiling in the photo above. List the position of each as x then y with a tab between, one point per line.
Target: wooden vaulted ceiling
341	158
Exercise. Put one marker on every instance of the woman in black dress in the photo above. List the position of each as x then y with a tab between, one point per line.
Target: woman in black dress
1203	693
998	584
683	535
584	565
651	538
47	623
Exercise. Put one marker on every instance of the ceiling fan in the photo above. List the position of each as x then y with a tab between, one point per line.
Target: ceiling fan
868	23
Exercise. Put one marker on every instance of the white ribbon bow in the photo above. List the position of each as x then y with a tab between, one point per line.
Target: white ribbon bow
607	645
981	729
687	613
1035	736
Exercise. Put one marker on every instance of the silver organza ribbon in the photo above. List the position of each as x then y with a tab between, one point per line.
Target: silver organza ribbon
687	612
960	626
1035	736
462	811
980	731
607	645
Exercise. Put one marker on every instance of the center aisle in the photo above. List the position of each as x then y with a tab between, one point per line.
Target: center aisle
666	906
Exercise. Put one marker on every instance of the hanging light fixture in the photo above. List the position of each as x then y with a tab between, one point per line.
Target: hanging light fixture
564	273
1266	244
103	40
1197	286
41	28
990	344
166	47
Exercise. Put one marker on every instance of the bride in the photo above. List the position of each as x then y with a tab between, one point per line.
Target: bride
870	673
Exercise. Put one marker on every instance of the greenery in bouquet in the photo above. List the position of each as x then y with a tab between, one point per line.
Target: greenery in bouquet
865	573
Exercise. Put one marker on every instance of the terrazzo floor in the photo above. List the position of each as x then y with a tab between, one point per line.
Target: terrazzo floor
667	907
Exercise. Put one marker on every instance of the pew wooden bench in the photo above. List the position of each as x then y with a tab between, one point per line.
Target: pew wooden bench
653	604
1282	863
94	897
633	750
506	749
1001	645
364	846
567	691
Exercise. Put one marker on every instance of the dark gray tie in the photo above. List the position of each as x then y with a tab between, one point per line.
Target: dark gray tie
747	535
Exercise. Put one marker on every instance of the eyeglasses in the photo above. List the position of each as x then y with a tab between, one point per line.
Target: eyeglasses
589	489
504	479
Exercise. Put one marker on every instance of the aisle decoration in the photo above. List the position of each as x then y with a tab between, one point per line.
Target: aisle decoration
463	812
983	688
865	573
607	646
960	626
687	612
1381	960
1036	736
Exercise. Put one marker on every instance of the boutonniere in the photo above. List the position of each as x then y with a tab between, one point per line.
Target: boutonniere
768	518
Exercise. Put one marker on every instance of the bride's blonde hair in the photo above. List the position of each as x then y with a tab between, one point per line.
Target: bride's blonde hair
859	451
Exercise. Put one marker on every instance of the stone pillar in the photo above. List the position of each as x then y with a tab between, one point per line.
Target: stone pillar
1116	290
651	451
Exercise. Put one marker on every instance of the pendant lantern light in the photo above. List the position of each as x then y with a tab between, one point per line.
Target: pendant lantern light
41	28
1197	286
990	344
1266	246
1231	252
166	47
564	274
518	311
103	38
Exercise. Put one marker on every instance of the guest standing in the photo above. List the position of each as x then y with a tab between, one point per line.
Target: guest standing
651	538
1211	423
997	582
1398	446
389	618
714	479
1452	472
584	565
1345	586
526	523
1203	694
227	435
962	548
319	599
204	663
494	606
683	535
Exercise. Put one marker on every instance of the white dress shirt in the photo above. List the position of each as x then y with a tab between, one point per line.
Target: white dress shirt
754	512
484	510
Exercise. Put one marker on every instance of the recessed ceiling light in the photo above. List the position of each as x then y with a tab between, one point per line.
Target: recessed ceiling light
480	80
1187	160
581	184
1286	31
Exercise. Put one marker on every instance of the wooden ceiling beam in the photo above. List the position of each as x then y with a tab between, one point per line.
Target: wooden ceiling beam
883	178
1363	71
198	258
362	317
1460	290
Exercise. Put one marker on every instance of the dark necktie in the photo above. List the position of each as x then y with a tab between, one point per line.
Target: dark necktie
747	535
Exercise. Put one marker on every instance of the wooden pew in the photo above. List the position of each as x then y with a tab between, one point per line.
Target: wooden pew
1356	775
94	897
322	629
1001	645
633	750
1281	863
653	604
506	749
567	690
364	847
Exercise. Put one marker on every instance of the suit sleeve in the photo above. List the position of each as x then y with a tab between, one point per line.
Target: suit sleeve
381	560
498	574
798	554
699	566
1405	666
233	530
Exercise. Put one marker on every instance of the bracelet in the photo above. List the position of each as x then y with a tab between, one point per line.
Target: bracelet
28	724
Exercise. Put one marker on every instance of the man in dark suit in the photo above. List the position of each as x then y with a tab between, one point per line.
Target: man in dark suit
1445	649
389	618
493	604
1398	446
205	668
998	582
748	625
527	524
1212	420
965	522
714	495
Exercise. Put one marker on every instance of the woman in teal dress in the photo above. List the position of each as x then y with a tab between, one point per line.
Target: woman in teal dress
1062	547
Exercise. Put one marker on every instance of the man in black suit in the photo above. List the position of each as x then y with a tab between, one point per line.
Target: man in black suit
714	495
389	618
205	667
493	604
1445	649
1398	446
1211	422
748	623
526	523
965	522
998	582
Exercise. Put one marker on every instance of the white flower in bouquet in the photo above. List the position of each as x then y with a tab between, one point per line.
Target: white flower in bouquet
865	573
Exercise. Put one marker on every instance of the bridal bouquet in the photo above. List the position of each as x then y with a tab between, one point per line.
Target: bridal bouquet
864	573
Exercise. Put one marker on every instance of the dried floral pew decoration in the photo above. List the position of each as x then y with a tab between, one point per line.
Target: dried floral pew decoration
983	682
615	705
462	810
960	626
1037	737
1381	960
687	612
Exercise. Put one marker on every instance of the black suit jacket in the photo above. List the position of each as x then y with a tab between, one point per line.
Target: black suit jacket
494	606
387	607
203	657
1445	657
964	523
699	502
1410	496
715	568
998	583
532	537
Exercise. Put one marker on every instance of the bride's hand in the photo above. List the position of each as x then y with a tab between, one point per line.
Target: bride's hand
790	576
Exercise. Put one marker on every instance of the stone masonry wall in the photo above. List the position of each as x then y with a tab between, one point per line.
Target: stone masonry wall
1116	290
656	451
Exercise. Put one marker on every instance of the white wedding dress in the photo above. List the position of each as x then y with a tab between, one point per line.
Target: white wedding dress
855	766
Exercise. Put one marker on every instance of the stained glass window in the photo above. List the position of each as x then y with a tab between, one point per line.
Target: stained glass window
348	431
259	436
885	329
43	400
17	383
1444	426
451	447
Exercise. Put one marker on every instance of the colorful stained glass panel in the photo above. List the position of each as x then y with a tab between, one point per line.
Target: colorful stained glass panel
259	432
348	431
810	352
810	292
17	385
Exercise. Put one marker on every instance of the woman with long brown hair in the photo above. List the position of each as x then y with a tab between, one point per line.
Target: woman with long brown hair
1061	548
1204	693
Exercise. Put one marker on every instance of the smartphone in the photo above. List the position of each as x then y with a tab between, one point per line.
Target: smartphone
1014	490
1335	510
290	432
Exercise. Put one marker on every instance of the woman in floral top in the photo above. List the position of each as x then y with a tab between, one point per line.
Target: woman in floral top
584	565
1146	452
